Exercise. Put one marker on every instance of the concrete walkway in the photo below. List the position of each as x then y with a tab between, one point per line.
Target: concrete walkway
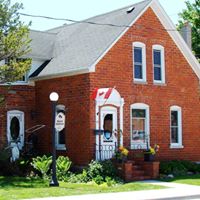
175	191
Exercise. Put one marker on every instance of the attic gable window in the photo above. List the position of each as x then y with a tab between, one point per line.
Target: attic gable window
139	62
158	64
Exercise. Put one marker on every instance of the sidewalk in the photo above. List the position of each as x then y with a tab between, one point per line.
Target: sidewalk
176	191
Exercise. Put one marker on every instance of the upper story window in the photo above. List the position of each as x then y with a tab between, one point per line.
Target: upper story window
139	62
176	127
158	64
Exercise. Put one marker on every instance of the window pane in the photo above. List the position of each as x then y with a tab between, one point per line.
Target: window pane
108	126
14	128
138	113
138	54
61	137
157	57
174	135
174	118
138	129
138	71
157	73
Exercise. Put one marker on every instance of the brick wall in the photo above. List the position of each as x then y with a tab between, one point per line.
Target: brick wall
74	94
181	88
20	98
116	69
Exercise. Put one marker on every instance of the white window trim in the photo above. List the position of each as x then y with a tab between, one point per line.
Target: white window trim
143	46
162	50
147	125
11	113
178	145
59	146
20	82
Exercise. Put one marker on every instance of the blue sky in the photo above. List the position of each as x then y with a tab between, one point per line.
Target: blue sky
83	9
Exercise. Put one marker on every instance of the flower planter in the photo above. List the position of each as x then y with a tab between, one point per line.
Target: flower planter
149	157
151	169
124	170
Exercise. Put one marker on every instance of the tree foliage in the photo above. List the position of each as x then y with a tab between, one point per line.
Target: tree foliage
192	15
14	43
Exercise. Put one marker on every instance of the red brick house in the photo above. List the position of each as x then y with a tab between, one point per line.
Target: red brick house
134	50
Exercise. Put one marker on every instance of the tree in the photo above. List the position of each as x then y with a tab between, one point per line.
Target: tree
14	43
192	15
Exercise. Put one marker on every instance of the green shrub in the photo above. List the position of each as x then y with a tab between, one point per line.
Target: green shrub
62	167
5	154
42	164
98	179
109	170
178	167
20	167
78	178
191	166
24	166
73	178
110	181
9	169
95	169
102	171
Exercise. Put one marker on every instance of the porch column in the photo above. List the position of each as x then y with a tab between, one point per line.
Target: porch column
121	120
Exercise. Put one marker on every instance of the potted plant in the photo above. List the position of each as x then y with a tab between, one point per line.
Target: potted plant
149	154
121	154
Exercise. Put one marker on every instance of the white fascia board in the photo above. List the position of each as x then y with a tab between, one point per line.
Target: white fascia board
93	66
176	37
29	83
59	75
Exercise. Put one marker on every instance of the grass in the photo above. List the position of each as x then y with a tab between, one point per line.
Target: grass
23	188
187	179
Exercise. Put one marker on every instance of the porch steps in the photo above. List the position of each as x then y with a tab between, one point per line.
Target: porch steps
136	171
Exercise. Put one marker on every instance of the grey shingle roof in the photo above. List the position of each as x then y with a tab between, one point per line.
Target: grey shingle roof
77	46
42	45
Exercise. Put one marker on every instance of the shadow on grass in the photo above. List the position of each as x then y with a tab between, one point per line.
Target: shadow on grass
22	182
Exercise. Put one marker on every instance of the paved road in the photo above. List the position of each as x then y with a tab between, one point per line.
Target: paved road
174	192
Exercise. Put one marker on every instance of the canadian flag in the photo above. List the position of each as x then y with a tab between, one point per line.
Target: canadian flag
103	93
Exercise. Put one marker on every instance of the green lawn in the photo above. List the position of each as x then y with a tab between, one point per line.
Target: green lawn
190	179
12	188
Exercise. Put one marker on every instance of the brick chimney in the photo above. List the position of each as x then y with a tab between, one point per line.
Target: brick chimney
186	33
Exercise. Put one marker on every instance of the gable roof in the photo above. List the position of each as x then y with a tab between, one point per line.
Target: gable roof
176	36
42	45
78	47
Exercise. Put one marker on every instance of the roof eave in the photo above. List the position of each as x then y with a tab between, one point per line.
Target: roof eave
59	75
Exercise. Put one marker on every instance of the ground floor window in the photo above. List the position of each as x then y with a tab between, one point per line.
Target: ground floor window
176	127
139	126
60	140
15	128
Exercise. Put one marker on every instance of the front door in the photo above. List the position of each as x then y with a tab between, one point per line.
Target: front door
107	140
